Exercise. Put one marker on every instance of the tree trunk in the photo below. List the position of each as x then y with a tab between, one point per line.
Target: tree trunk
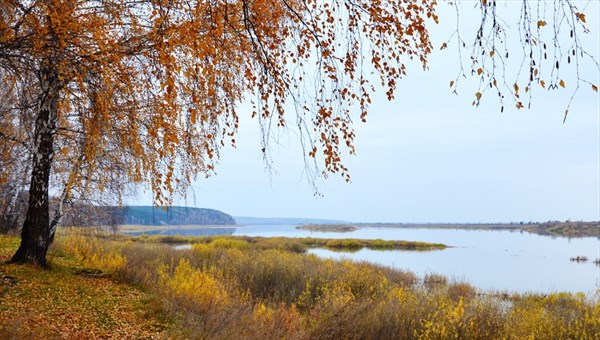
35	235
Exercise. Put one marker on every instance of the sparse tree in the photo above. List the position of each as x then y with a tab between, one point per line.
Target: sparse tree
147	90
15	153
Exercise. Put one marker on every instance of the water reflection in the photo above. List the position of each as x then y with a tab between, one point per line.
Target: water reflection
186	232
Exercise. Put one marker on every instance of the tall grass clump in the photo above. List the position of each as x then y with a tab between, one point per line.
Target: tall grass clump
230	243
92	250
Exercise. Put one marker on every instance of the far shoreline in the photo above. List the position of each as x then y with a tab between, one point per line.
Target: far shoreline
566	229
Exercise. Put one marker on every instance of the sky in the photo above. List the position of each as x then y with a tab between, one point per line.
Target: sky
430	156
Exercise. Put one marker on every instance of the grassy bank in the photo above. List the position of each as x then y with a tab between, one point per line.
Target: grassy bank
232	288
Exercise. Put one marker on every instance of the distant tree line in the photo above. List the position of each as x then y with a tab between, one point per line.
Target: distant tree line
12	210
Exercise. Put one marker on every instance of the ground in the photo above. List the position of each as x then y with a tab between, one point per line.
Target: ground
70	301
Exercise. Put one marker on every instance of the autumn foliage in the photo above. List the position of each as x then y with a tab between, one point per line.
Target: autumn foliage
147	91
153	85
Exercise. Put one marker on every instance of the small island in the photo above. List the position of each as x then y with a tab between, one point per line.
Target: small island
328	228
294	245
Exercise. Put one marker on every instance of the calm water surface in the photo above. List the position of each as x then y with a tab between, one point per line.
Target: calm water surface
489	259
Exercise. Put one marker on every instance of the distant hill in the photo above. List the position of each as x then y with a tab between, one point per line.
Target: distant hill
245	220
148	215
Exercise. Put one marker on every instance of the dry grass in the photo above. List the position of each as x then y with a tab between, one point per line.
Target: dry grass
236	288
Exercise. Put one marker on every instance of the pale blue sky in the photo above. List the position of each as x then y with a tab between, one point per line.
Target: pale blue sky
429	156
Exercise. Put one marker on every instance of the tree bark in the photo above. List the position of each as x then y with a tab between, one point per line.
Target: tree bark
35	235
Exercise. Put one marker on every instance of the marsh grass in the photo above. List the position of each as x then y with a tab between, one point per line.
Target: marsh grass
253	288
298	245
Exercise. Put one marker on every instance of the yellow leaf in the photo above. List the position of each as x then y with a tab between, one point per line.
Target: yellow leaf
479	71
478	95
451	83
580	16
595	88
543	83
516	87
541	23
444	45
492	53
561	83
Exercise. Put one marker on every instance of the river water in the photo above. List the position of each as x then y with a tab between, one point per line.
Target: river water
490	259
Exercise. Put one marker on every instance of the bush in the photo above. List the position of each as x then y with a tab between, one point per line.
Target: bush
344	244
230	243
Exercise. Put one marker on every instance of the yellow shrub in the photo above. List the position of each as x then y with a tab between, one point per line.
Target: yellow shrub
230	243
91	251
446	323
262	313
77	245
110	262
192	284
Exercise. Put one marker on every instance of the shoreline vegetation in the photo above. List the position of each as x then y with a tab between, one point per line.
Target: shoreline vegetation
112	286
296	245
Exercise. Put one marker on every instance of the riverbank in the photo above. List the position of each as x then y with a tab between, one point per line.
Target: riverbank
555	228
104	286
